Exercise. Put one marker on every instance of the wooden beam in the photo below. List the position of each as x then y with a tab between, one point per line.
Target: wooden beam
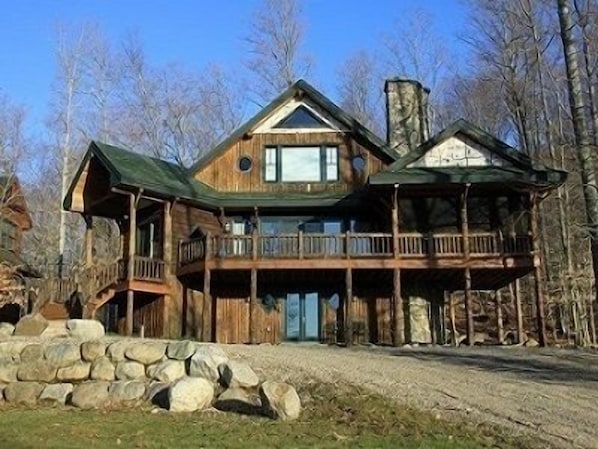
88	240
398	318
395	222
453	318
253	323
516	292
131	262
538	280
167	239
129	317
468	307
207	307
348	306
499	321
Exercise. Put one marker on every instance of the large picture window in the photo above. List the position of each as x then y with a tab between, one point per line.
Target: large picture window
301	164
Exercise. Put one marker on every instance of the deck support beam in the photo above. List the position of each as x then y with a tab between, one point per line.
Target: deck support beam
516	293
168	265
131	263
538	282
88	240
467	273
453	319
499	319
398	318
252	308
207	306
348	306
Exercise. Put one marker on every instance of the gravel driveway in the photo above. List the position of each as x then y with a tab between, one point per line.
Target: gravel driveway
549	393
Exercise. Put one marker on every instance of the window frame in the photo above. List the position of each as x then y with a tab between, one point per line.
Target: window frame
323	163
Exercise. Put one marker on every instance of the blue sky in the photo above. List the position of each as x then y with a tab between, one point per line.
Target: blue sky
195	33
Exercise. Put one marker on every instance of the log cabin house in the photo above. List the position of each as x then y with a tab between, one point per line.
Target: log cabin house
304	225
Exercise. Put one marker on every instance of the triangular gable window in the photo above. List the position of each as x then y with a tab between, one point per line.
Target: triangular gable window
301	118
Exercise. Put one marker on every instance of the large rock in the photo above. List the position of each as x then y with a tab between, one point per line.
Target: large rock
56	393
239	400
23	393
102	369
157	394
116	350
6	330
180	350
31	325
129	371
93	350
38	371
205	362
32	353
146	353
234	374
12	348
85	329
63	354
190	394
76	372
8	370
280	400
90	395
167	371
126	391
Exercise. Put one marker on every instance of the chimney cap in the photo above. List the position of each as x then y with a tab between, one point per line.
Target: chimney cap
399	80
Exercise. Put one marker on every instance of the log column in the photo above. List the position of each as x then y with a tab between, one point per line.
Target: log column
516	292
207	296
168	266
398	319
539	288
499	320
88	240
467	272
131	263
253	325
348	300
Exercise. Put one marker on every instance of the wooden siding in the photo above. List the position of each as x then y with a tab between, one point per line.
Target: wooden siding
223	173
232	319
186	219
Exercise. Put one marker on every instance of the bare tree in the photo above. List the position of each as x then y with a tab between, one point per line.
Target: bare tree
275	42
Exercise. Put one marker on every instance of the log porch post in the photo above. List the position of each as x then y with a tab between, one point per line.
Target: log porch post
348	300
516	292
168	265
467	273
538	284
207	296
398	321
499	318
131	263
252	307
88	240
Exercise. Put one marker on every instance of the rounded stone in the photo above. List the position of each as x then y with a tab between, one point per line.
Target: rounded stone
85	329
129	371
6	330
76	372
102	369
32	353
180	350
280	400
56	393
8	370
126	391
146	353
234	374
205	362
90	395
93	350
116	350
23	393
167	371
31	326
38	371
63	354
190	394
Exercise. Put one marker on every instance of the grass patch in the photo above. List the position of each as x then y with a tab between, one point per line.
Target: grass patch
333	417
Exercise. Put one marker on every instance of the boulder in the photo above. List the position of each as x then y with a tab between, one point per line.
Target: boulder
205	362
63	354
23	393
531	343
31	325
31	353
85	329
76	372
6	330
93	350
56	393
280	400
180	350
235	374
38	371
116	350
239	400
146	353
12	349
102	369
8	370
157	394
190	394
129	371
90	395
126	391
167	371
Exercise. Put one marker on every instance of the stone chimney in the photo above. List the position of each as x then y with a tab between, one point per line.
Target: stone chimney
406	114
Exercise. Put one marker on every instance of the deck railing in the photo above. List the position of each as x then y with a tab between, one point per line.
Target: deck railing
351	245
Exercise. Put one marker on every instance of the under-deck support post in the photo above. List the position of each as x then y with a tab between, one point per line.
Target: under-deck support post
538	283
452	318
348	306
131	262
499	320
468	308
252	307
467	274
398	318
88	240
207	306
168	265
516	292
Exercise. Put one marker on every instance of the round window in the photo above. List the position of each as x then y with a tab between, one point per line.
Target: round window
245	164
358	163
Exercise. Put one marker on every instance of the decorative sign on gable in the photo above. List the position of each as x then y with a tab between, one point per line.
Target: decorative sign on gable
458	151
298	116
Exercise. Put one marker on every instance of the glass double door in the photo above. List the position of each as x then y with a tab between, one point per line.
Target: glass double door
302	316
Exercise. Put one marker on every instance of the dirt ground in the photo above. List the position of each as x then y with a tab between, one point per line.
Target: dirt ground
551	394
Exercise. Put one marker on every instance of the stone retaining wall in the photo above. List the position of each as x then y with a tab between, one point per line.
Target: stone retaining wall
102	373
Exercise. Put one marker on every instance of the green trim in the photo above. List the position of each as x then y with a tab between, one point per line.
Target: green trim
301	86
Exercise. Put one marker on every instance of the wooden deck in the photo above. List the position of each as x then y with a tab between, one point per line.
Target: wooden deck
356	250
